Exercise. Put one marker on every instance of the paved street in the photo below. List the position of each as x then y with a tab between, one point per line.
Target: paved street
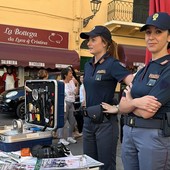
76	149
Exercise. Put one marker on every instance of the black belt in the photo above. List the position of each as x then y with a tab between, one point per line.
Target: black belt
143	123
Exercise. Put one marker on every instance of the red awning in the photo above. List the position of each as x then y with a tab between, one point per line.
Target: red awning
20	55
134	54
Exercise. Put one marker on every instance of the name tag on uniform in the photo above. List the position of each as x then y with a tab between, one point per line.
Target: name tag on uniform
154	76
101	72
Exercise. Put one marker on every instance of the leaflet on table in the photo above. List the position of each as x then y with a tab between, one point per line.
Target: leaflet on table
73	162
13	161
16	167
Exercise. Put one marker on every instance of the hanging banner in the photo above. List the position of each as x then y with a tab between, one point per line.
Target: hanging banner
33	37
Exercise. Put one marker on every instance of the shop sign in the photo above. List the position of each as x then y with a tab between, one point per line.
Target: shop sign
8	62
36	64
62	65
33	37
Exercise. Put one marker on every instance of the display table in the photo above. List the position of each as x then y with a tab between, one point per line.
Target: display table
79	162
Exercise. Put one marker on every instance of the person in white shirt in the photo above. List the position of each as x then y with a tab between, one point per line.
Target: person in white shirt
82	92
70	92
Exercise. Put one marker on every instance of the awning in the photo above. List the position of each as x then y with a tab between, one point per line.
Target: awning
134	54
20	55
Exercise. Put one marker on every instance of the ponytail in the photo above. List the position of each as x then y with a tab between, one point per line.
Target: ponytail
113	49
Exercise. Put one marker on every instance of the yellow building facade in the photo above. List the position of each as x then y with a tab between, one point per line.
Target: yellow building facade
67	16
58	15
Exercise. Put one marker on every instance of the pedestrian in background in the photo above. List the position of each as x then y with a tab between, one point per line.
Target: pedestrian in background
9	78
77	128
146	140
43	74
101	75
79	115
70	92
82	92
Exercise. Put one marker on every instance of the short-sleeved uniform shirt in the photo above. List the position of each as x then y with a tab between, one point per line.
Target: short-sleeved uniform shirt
154	80
100	80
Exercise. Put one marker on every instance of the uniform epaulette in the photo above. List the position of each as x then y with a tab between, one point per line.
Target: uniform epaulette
165	62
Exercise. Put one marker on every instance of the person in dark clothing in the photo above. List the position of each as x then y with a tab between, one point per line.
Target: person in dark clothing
101	75
146	103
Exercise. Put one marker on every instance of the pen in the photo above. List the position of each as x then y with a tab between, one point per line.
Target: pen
5	160
13	157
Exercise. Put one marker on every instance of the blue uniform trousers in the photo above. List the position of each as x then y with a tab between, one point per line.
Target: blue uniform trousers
145	149
100	141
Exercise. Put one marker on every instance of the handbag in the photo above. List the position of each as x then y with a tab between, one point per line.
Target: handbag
95	113
50	151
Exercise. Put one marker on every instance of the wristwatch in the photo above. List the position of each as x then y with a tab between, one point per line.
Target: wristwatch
117	106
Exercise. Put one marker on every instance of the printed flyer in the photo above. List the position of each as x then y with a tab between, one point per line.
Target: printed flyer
69	163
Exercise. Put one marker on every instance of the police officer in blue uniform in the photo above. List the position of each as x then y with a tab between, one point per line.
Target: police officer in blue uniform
101	75
146	103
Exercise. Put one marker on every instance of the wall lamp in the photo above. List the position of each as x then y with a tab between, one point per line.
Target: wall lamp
95	6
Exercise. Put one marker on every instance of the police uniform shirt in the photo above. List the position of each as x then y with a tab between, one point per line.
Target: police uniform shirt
100	80
154	80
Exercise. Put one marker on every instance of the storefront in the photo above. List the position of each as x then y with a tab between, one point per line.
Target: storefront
29	49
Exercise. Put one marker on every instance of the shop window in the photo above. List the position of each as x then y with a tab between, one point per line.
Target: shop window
140	11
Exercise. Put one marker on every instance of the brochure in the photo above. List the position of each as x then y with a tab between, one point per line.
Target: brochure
7	162
69	163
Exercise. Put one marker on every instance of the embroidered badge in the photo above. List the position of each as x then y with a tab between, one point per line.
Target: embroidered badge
155	16
154	76
98	77
151	82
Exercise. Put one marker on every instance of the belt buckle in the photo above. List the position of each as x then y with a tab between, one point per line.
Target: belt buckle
132	121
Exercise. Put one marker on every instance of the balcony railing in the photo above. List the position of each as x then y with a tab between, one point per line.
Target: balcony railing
126	11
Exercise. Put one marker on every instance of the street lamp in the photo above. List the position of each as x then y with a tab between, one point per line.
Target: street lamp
95	6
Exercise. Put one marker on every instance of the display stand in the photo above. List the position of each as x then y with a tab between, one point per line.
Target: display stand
44	112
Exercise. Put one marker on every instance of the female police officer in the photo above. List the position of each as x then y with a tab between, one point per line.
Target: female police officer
101	75
146	140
